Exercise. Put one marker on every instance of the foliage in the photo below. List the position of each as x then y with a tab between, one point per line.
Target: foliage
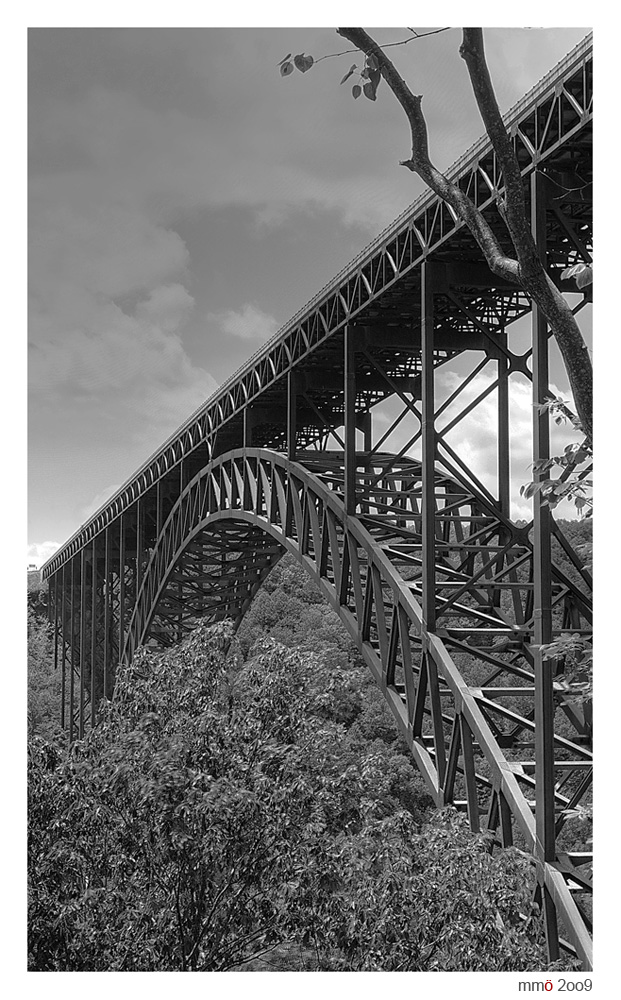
44	683
582	274
369	76
576	651
579	534
291	609
37	597
575	465
221	813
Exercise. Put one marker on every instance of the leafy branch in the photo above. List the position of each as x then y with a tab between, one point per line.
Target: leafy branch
304	62
576	653
575	464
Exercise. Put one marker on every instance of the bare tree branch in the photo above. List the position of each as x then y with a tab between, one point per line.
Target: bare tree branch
533	276
526	269
386	45
421	164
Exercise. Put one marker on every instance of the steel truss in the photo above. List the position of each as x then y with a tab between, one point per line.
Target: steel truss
465	702
448	601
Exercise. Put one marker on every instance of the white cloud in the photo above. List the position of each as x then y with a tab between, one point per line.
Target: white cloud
247	323
155	162
38	553
86	234
475	437
136	355
167	306
108	306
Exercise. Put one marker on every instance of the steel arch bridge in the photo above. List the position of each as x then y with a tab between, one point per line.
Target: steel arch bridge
344	441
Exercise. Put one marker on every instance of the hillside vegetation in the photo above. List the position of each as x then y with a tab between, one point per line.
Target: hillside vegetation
246	803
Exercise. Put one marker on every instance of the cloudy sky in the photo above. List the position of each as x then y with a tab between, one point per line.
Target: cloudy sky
185	201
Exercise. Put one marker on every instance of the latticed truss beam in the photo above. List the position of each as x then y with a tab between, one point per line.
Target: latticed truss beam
476	741
448	601
551	132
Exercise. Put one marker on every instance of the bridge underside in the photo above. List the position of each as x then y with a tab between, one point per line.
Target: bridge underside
348	441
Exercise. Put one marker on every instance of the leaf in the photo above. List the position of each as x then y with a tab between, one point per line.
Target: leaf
585	277
543	464
372	62
303	62
286	69
583	273
369	90
356	90
286	59
352	69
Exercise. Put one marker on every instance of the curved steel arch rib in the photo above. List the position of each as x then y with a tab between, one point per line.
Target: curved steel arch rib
236	518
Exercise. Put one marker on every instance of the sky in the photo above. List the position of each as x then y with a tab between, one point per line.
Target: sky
185	201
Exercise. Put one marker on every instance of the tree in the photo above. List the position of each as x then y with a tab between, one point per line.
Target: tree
44	683
217	818
525	268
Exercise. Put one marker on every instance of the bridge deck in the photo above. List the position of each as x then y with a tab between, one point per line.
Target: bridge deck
449	602
380	288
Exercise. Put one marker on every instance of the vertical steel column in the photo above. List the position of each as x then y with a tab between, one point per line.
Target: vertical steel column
542	580
292	414
82	638
158	509
107	599
179	564
428	501
55	622
122	581
139	543
366	426
365	423
349	420
504	461
72	654
429	447
292	433
246	428
63	631
93	629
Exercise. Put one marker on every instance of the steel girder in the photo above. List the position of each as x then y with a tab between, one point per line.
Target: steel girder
448	600
464	701
551	128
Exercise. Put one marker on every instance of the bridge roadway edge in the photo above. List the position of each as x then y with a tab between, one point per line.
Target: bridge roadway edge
237	389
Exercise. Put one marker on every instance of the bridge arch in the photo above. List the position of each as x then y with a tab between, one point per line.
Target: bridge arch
236	518
283	507
478	701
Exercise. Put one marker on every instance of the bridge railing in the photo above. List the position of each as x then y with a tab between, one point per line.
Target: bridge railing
421	204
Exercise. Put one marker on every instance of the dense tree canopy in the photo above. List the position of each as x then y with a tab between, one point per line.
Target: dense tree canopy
44	685
233	812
